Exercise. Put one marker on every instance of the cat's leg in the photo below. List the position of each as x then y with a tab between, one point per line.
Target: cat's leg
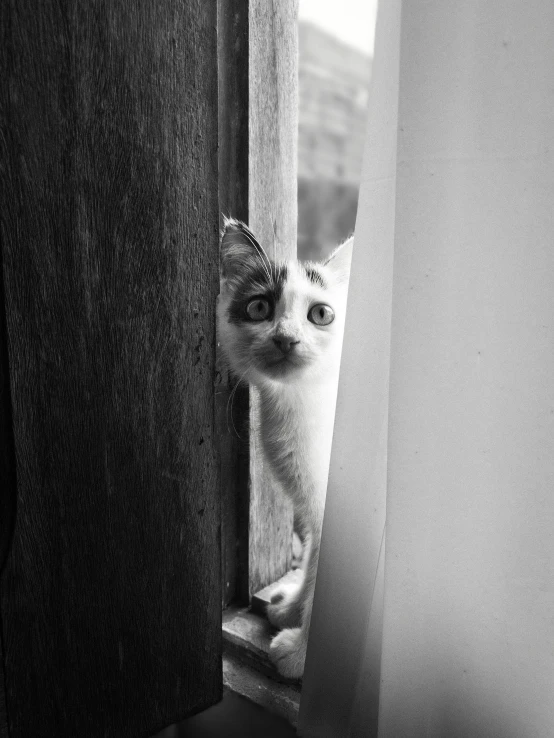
288	648
285	608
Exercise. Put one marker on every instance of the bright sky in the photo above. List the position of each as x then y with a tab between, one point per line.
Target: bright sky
353	21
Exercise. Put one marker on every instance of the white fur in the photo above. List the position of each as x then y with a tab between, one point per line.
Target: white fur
297	415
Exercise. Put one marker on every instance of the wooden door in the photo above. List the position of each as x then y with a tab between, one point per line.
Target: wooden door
110	597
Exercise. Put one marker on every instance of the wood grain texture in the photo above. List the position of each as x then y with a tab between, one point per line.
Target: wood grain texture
3	709
273	107
233	403
234	115
110	598
8	488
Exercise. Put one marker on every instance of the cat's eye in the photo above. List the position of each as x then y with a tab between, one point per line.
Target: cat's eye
321	314
258	309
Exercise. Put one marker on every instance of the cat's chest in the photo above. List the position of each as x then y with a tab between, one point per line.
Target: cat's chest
297	433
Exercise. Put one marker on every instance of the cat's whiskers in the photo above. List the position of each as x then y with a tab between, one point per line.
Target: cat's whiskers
232	397
267	263
274	227
269	274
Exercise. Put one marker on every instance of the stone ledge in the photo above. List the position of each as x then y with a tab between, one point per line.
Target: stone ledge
247	669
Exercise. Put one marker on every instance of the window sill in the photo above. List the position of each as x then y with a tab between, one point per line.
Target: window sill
247	669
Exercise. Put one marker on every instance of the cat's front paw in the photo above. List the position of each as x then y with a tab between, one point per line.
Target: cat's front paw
285	608
288	652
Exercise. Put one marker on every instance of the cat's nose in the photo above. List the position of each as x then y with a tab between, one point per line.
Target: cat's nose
286	345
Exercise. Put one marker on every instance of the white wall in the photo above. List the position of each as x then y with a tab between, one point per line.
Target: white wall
468	645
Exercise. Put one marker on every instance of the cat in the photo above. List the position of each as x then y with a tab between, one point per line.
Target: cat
280	326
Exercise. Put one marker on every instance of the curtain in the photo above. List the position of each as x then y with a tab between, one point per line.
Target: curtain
445	413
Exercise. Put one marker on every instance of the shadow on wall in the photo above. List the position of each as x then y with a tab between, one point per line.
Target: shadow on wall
458	718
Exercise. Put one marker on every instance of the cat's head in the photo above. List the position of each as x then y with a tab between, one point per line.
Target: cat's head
278	322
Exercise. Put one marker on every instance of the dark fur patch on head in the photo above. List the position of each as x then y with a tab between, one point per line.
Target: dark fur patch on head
238	245
257	278
314	275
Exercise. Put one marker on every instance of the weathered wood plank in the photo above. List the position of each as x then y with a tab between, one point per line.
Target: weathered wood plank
110	598
273	211
274	125
249	634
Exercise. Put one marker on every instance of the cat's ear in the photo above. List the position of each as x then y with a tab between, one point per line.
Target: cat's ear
340	260
238	247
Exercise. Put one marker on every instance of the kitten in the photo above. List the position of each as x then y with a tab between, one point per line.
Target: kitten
280	327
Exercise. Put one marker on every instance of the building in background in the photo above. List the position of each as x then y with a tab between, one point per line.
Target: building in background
333	95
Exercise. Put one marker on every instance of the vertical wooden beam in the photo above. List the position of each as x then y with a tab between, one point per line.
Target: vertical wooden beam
111	621
273	211
233	90
232	403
